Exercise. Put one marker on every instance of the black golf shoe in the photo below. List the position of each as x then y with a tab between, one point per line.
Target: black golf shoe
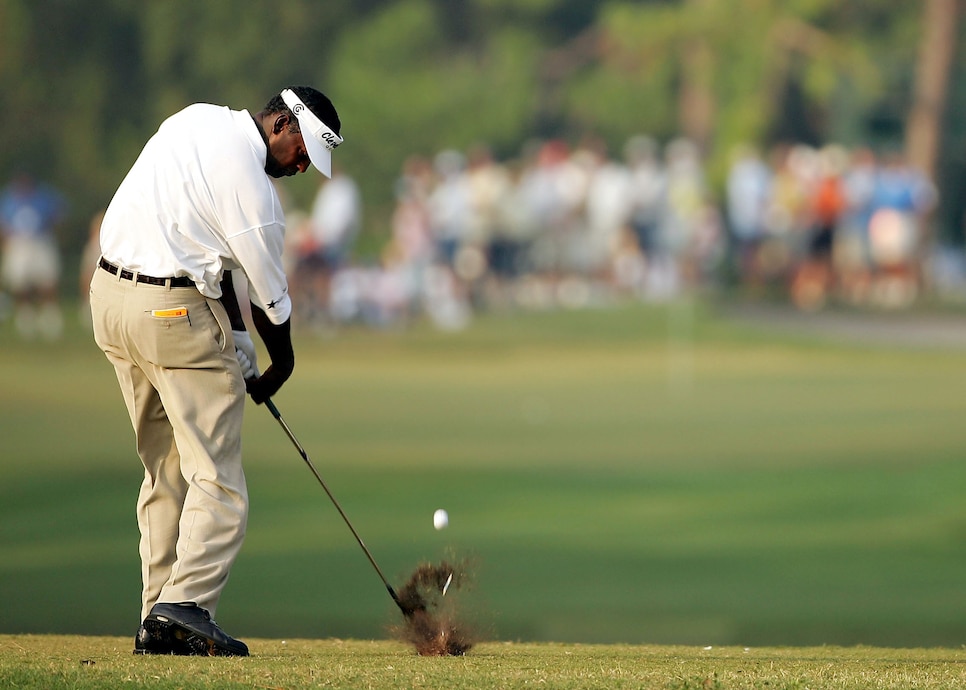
189	630
157	638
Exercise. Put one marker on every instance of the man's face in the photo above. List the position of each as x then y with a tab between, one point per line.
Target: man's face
286	150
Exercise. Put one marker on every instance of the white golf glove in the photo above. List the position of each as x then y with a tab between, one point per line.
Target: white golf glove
245	352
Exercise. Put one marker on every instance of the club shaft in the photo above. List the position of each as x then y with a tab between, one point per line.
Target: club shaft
298	446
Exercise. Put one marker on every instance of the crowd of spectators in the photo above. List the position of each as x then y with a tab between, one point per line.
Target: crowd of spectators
561	226
572	226
829	222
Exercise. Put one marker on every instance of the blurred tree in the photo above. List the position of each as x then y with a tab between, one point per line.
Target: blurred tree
79	82
416	76
936	50
203	51
407	88
697	104
722	72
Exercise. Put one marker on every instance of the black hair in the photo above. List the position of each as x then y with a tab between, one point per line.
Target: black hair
316	101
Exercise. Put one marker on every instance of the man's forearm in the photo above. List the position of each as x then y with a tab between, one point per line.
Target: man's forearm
230	301
277	339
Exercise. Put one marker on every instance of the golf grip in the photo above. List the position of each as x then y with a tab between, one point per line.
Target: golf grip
298	446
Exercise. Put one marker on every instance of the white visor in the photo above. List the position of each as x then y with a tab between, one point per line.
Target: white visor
319	139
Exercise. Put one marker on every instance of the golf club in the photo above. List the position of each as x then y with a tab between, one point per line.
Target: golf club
407	611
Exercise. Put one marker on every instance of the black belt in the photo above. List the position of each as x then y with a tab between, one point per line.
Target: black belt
182	282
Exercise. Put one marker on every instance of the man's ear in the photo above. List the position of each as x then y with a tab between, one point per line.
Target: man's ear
281	122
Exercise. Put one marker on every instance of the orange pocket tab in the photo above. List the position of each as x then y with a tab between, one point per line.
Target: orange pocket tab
173	313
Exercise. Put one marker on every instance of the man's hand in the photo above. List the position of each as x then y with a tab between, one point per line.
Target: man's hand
245	352
267	385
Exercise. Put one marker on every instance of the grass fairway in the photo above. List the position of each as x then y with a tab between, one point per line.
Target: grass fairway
79	663
641	475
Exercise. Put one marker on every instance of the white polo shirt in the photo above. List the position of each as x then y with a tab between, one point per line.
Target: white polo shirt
197	202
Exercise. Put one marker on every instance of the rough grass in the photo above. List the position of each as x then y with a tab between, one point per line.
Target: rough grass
82	663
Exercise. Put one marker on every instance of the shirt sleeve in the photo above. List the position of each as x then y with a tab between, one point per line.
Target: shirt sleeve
258	252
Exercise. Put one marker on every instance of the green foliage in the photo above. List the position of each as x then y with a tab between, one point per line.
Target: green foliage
416	76
821	44
619	105
405	90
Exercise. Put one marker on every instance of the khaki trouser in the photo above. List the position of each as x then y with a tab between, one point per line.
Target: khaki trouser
185	395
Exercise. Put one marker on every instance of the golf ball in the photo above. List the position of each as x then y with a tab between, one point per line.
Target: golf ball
440	519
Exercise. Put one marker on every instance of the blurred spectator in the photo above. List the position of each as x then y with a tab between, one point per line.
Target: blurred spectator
786	218
486	252
30	212
747	190
860	186
814	277
331	231
448	206
901	199
607	209
573	176
552	189
536	194
648	191
411	251
690	230
510	254
852	250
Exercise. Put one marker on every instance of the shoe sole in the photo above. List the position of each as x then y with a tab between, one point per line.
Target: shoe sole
165	642
192	641
200	645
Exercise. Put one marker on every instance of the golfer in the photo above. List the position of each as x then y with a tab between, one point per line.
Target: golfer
198	204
